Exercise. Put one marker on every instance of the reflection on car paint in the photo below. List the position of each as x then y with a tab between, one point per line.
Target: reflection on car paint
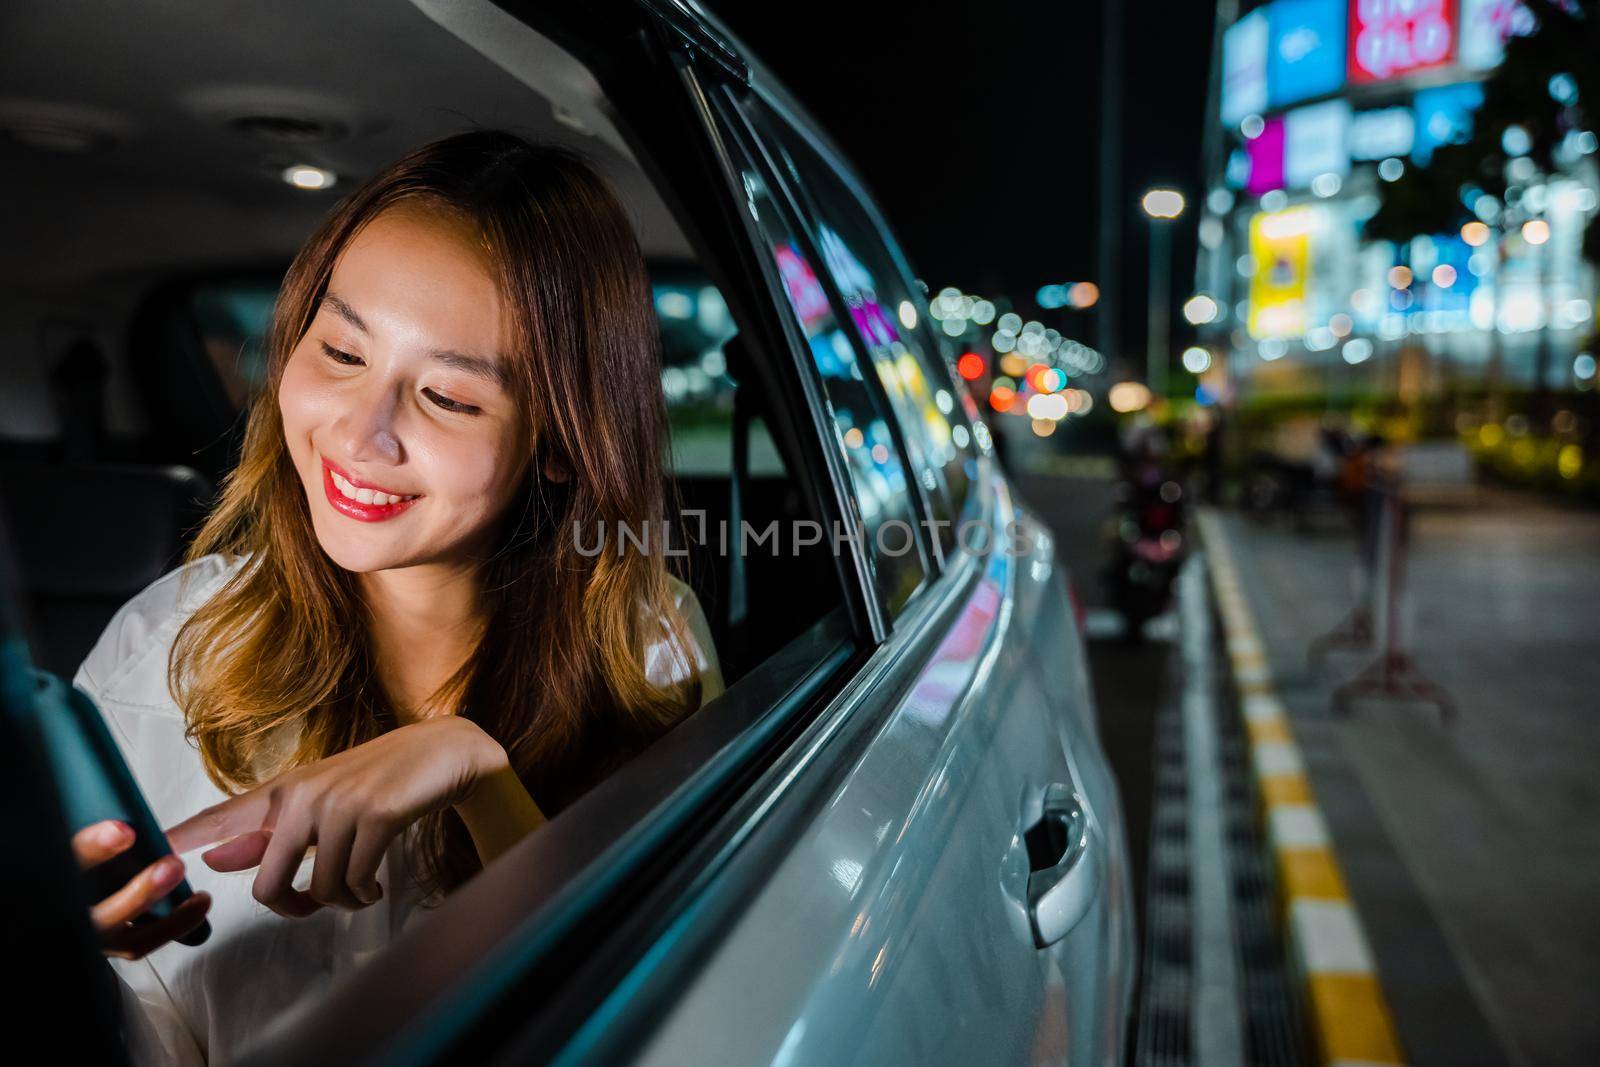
938	690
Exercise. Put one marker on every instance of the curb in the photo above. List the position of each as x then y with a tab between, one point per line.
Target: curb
1329	956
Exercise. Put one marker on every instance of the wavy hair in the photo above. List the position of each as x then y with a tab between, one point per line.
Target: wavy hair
276	669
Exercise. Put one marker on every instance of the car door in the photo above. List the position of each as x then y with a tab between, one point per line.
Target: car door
950	885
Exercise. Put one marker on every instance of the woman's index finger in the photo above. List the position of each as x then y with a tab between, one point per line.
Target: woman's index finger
234	816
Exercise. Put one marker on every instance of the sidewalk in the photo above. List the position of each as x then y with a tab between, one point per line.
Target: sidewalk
1473	851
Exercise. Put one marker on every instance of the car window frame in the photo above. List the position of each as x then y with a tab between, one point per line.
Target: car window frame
788	110
815	209
795	208
796	345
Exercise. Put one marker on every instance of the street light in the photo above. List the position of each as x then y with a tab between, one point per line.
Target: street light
1200	309
1162	205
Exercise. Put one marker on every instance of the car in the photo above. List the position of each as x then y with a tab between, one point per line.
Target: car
895	838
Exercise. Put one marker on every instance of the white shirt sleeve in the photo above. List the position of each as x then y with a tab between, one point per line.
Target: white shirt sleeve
153	1028
664	661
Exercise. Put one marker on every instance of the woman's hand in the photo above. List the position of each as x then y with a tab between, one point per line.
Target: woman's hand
350	805
111	918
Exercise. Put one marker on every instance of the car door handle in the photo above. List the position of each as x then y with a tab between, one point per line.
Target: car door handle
1064	869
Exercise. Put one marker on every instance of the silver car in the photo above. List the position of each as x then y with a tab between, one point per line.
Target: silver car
895	838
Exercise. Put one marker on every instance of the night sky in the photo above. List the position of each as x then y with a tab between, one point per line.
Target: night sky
977	128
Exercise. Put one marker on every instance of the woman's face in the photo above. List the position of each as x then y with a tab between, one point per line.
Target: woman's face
397	405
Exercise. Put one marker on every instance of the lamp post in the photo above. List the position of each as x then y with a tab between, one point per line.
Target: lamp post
1162	206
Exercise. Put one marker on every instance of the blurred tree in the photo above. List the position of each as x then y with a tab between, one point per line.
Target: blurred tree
1548	84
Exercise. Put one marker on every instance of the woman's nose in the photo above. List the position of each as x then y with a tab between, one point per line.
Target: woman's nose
367	430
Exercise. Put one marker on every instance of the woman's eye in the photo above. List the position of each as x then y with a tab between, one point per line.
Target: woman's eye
447	404
340	357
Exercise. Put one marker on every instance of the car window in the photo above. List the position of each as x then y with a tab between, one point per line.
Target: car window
878	470
890	315
231	317
759	595
695	325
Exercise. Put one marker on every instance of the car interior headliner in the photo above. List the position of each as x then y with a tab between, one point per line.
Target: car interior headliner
141	138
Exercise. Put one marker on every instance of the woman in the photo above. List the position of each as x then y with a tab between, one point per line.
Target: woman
387	660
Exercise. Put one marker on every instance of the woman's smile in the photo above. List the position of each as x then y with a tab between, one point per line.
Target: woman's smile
359	499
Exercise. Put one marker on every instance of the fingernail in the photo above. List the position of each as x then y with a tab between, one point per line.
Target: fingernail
112	833
367	894
169	872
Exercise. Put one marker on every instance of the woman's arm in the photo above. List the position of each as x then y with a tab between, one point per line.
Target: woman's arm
499	812
352	804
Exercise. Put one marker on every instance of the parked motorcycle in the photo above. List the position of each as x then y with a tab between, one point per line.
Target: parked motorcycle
1150	542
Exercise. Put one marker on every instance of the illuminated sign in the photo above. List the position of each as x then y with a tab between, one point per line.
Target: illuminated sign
1266	159
1444	116
1314	142
1306	55
1486	26
1244	68
1382	133
1280	244
1391	38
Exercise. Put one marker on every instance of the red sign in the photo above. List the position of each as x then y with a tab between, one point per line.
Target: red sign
1391	38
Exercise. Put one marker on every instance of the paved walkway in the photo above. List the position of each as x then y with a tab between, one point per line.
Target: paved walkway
1473	850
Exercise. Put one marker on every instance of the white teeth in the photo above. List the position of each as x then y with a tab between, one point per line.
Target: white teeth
364	496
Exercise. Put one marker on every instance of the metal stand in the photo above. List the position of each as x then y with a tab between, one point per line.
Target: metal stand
1357	632
1393	675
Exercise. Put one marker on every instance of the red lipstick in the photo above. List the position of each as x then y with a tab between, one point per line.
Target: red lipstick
345	505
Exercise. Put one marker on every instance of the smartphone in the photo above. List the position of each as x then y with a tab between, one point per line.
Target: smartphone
95	783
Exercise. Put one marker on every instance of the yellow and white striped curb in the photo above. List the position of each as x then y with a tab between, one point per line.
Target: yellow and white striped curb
1350	1021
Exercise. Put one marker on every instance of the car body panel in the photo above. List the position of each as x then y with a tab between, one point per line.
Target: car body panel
895	927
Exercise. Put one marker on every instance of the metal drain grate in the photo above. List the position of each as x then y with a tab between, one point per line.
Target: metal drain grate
1268	1033
1272	1031
1162	1033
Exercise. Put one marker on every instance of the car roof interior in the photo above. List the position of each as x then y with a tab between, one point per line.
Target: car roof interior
150	153
149	150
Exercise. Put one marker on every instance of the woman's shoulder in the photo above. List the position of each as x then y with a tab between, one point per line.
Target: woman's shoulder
681	591
665	665
129	661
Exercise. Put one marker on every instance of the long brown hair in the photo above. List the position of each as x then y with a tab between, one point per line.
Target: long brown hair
281	650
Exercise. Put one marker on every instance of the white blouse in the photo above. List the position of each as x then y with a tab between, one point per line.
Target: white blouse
191	1006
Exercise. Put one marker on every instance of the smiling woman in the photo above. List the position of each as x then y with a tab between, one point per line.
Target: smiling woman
382	396
391	656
